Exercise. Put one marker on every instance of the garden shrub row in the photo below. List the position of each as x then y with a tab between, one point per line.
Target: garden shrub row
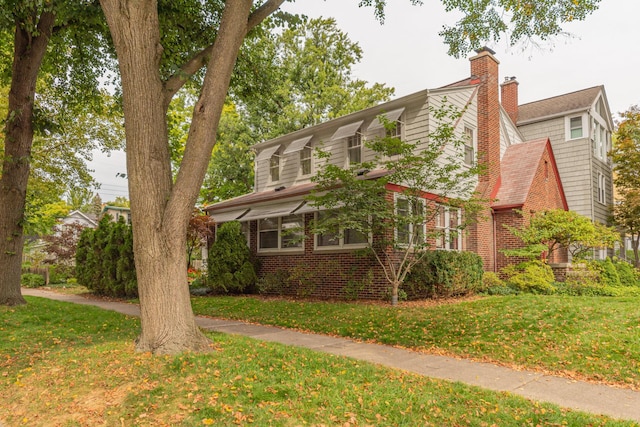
104	259
590	278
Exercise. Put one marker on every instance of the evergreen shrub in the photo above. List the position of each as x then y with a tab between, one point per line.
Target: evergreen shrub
104	259
231	267
445	274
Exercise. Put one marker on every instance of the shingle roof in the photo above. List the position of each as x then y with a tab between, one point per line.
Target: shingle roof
517	170
579	100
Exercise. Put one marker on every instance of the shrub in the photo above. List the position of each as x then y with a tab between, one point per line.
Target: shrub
276	283
491	280
32	280
231	268
608	275
627	274
534	277
445	274
104	259
60	273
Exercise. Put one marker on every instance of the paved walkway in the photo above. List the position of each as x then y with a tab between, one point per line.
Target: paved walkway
579	395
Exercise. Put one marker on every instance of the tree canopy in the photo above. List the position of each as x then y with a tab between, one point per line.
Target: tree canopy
626	158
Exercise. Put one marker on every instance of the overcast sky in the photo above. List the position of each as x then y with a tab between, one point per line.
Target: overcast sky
406	53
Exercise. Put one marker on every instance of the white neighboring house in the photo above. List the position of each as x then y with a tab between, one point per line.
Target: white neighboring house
86	220
116	213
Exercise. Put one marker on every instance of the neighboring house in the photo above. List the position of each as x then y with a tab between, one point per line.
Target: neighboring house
116	212
86	220
579	126
521	177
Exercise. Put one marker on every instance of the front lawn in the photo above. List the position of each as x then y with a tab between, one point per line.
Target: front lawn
70	365
595	338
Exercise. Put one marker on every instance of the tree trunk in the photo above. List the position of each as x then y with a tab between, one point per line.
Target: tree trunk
29	51
160	209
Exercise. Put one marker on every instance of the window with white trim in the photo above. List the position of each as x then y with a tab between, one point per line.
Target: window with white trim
305	160
469	153
448	235
274	167
396	130
409	230
339	238
354	148
602	188
283	233
575	127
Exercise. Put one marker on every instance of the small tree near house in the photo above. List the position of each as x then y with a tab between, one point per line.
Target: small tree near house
389	201
199	231
551	230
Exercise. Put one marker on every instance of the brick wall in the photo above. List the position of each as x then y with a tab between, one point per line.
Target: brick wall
544	194
509	98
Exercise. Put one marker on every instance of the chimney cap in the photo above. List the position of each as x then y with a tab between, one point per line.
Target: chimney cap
485	49
508	79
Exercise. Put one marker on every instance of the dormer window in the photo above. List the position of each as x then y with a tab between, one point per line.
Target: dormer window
305	160
353	134
274	167
395	131
354	148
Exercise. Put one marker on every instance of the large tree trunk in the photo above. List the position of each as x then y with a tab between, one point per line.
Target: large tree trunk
29	51
160	209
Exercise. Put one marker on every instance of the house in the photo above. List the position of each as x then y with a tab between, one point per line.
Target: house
579	126
522	177
77	217
117	212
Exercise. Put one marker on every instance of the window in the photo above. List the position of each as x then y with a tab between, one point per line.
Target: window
602	188
469	154
575	127
354	148
396	132
281	233
274	167
305	160
335	239
410	231
448	221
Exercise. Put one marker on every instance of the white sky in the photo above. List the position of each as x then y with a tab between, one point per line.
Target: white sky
406	53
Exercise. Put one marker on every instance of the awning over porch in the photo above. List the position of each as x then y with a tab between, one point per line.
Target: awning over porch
272	211
229	216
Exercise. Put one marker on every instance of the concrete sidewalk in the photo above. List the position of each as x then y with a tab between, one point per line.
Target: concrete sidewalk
579	395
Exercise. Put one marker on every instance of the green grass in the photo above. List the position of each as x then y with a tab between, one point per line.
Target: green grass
69	365
587	337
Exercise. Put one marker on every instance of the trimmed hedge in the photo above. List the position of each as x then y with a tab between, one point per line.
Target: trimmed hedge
445	274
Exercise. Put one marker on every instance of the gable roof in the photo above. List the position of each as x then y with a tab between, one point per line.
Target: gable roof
558	105
518	168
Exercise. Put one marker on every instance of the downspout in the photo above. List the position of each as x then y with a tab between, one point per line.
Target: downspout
493	240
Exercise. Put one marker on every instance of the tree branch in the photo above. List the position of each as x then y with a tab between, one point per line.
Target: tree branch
200	59
261	13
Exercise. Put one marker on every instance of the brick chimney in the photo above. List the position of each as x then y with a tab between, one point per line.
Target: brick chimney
485	67
509	97
481	236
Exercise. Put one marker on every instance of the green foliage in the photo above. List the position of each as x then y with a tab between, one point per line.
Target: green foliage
32	280
627	274
445	274
275	283
489	20
231	267
290	66
490	280
60	273
104	259
557	228
534	277
608	272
